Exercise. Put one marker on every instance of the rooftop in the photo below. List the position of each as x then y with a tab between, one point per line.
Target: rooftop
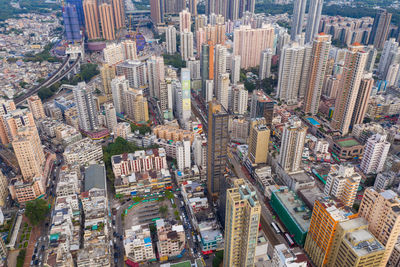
295	207
95	177
336	209
347	142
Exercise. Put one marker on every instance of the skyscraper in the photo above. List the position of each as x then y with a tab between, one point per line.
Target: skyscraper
170	37
222	89
193	7
107	74
327	214
113	54
313	19
206	66
353	70
343	183
79	9
92	18
375	154
390	55
185	21
382	211
265	64
87	111
238	99
29	152
71	23
107	21
219	68
299	10
135	105
155	70
157	11
262	106
119	13
380	29
218	138
292	145
111	116
362	100
319	58
258	141
243	212
293	72
186	45
135	71
186	95
118	86
13	121
235	69
36	107
248	43
129	50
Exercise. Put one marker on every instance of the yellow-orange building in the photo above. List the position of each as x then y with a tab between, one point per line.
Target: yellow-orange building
36	107
327	213
92	25
258	141
169	132
119	13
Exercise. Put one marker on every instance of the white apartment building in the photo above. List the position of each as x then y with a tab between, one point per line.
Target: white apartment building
375	154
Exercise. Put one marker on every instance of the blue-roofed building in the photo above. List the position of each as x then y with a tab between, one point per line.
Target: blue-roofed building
63	104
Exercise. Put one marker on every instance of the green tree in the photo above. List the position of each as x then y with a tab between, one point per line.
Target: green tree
88	71
36	211
219	257
174	60
21	258
169	194
143	129
163	210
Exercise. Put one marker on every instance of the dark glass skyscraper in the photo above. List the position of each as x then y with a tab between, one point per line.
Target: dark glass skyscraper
79	10
71	23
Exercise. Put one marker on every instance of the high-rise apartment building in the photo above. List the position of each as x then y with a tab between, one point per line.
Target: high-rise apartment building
354	245
113	54
235	69
265	64
85	104
170	39
232	10
118	86
222	89
157	11
186	95
220	68
239	99
135	71
119	13
186	45
343	183
3	189
29	152
193	7
262	106
129	50
293	72
299	10
13	121
206	66
182	151
362	100
185	21
135	105
380	29
243	212
6	106
382	211
107	73
327	214
292	145
353	69
194	67
313	19
156	73
319	58
36	107
92	19
107	21
218	138
258	141
111	116
79	8
210	34
388	57
200	21
248	43
375	153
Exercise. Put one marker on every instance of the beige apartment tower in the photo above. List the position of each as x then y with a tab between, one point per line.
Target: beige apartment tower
382	211
353	69
92	25
355	246
135	105
319	58
243	213
36	107
258	141
107	73
362	100
6	106
107	21
14	120
29	152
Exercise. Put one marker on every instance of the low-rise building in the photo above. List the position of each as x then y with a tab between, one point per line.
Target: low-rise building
83	152
171	239
138	245
347	148
284	257
66	134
